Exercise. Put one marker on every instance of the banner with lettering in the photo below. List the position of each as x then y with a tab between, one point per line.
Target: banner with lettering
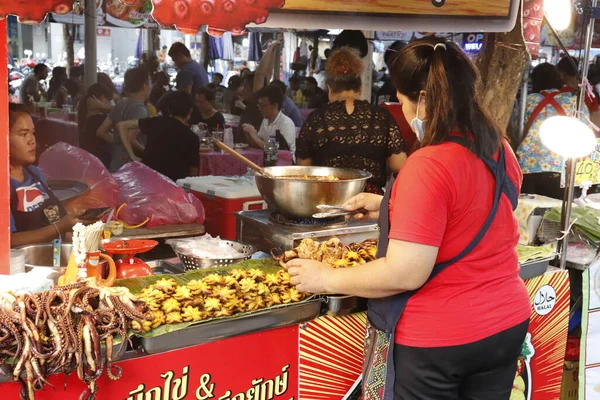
262	365
540	365
589	359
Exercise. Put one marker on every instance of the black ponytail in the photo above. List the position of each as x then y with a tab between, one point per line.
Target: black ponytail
453	98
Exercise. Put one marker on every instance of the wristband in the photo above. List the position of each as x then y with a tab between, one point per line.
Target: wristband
57	231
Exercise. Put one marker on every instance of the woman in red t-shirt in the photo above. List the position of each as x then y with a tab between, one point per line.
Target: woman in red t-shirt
446	290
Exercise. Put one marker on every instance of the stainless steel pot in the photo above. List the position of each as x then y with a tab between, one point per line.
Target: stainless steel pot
40	256
299	198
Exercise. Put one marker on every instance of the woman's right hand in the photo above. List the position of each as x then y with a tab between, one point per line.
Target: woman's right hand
67	222
369	201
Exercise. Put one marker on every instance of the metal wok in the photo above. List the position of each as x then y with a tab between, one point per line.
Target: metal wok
298	198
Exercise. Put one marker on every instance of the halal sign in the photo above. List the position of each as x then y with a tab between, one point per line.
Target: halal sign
472	41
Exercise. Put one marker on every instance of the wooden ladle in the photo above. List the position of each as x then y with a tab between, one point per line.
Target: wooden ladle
243	159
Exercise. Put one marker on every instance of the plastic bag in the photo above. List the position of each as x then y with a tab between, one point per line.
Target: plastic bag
65	162
149	194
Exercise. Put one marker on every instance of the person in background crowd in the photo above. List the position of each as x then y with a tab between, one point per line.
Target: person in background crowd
36	214
74	84
90	121
348	132
97	106
206	112
442	334
289	108
172	148
295	91
57	92
251	114
162	57
315	96
219	90
133	107
31	85
150	63
387	92
568	67
192	76
541	167
160	87
217	80
275	123
105	80
231	95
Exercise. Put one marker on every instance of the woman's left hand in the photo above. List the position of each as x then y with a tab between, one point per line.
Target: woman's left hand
309	276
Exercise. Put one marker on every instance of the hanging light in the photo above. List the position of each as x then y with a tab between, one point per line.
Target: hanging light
567	136
558	13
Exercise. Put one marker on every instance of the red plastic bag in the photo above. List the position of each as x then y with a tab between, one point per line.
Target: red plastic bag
149	194
65	162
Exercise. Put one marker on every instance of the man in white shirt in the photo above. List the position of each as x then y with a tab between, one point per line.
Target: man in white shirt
270	100
31	85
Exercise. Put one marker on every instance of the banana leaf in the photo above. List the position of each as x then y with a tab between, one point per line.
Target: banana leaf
585	219
135	285
529	253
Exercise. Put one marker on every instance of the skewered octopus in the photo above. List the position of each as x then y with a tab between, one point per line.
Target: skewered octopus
61	330
332	252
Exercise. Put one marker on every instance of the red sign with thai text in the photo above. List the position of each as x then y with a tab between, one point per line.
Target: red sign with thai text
262	365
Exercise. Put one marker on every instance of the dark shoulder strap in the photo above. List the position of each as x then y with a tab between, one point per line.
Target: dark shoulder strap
503	185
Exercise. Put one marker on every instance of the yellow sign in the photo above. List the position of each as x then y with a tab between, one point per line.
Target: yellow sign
588	169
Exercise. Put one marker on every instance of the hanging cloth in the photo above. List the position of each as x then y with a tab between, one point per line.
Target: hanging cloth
255	50
215	48
227	40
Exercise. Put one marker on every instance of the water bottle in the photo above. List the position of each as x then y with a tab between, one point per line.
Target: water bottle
228	137
270	152
68	106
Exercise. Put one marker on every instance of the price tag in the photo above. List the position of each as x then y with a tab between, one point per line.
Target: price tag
587	170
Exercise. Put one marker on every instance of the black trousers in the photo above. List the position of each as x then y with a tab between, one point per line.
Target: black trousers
482	370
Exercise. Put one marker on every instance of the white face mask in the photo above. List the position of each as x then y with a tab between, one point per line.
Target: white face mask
418	125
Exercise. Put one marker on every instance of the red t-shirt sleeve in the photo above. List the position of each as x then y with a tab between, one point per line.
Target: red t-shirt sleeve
422	198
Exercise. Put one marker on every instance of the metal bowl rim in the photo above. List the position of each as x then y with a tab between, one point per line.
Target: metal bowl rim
247	252
363	175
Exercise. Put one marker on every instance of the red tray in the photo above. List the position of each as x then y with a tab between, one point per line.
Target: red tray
130	247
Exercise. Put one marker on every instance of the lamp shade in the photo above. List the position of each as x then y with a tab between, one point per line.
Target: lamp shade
567	136
558	13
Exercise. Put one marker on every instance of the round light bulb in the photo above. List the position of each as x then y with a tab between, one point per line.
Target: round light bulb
567	136
558	13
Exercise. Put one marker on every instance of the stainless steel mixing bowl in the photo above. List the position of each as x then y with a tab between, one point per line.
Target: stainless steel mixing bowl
299	198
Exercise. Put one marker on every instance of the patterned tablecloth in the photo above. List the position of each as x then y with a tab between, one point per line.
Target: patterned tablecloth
221	164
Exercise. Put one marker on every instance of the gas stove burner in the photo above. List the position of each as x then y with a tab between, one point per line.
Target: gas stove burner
281	219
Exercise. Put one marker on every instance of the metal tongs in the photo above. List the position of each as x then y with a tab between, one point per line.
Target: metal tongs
336	211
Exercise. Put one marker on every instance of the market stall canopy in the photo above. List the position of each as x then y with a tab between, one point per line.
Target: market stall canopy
185	15
230	15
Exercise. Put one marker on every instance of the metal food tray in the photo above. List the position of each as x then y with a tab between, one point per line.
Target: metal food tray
172	266
192	262
534	268
343	305
230	327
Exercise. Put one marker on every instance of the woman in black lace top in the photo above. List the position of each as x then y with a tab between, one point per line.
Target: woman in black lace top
348	132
